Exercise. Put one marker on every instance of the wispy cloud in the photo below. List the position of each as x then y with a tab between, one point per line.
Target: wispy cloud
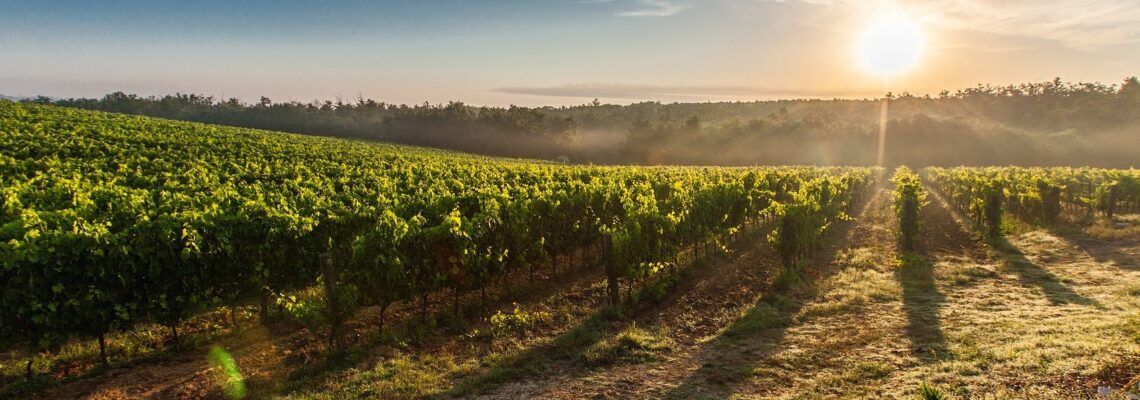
650	8
1075	23
634	91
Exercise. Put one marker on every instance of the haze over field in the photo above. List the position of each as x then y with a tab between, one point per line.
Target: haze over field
1042	124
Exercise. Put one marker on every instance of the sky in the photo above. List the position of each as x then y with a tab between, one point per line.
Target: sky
547	52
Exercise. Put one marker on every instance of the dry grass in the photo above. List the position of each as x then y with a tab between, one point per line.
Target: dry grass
1120	227
1041	317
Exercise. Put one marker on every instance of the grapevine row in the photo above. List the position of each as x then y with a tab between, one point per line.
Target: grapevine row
109	220
909	197
1037	195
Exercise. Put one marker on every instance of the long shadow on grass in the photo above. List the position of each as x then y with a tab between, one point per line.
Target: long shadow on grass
922	302
1031	274
573	347
408	330
732	357
533	361
1104	251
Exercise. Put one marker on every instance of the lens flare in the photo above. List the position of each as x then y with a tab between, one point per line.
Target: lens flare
228	375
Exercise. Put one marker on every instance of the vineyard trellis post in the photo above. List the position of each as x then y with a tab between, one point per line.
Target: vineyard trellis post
1110	208
611	272
263	303
103	350
992	214
328	271
1090	203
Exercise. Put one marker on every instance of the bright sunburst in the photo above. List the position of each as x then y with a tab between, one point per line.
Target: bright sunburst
890	46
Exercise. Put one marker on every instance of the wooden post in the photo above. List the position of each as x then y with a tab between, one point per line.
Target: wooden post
233	319
263	313
611	271
1090	193
1110	208
328	271
909	222
993	213
174	333
103	350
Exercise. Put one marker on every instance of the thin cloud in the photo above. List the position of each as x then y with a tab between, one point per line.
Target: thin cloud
654	8
631	91
1074	23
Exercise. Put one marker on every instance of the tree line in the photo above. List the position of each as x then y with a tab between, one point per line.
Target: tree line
1052	123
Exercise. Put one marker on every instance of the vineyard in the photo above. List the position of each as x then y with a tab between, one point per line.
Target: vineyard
1037	195
110	220
110	224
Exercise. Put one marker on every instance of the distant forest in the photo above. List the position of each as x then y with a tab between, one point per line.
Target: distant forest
1051	123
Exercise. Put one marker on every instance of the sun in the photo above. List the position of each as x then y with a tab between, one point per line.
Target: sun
890	46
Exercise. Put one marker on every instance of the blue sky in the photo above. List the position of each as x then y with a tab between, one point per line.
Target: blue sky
545	51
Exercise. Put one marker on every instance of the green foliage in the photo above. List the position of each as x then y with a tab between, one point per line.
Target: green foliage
927	391
518	321
307	308
109	220
1035	195
810	206
633	344
764	315
909	198
788	278
974	193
